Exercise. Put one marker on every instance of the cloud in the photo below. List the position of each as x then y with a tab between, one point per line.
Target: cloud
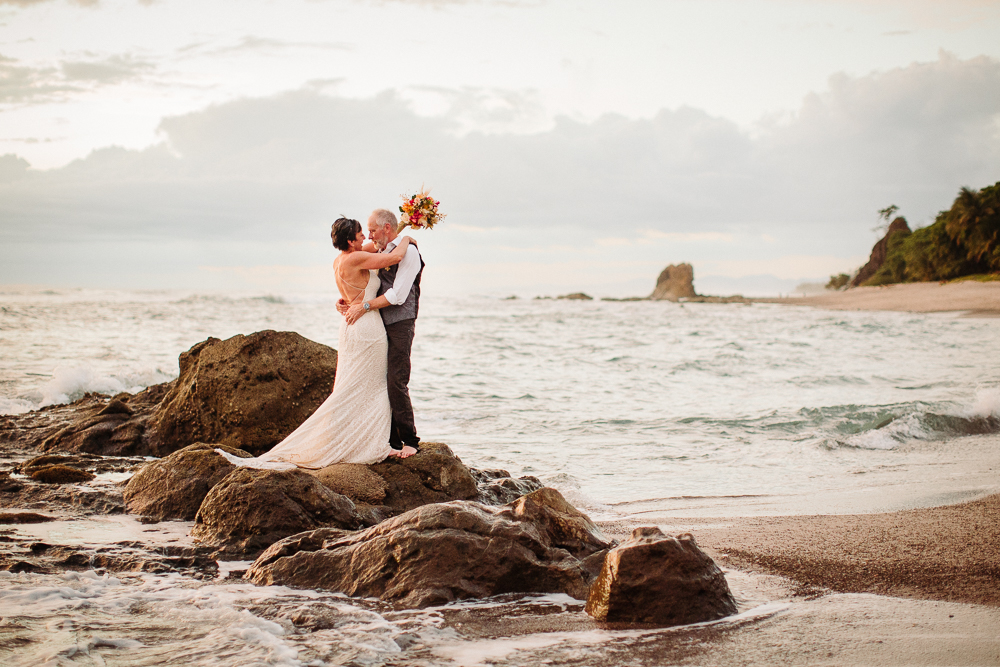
280	168
111	70
28	3
21	84
253	43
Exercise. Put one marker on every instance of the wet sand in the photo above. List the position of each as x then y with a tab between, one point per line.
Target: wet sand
949	553
973	298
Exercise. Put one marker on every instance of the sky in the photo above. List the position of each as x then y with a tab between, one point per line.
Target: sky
574	145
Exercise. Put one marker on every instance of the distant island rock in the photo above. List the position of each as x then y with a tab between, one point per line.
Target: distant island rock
879	252
676	282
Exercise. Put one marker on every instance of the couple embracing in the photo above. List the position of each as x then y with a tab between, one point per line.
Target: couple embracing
368	417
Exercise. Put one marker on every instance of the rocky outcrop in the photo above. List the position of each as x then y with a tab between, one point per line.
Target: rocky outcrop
433	475
674	283
251	509
174	487
652	578
247	392
354	480
443	552
879	252
576	296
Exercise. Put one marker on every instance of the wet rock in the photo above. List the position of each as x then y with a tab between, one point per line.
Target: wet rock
8	484
674	283
19	566
251	509
497	487
106	426
442	552
354	480
432	475
24	517
174	487
661	580
61	474
247	392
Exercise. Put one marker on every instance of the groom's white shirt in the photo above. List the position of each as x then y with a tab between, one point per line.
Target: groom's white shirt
409	267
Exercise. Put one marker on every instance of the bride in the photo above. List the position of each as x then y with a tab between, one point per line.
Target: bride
352	425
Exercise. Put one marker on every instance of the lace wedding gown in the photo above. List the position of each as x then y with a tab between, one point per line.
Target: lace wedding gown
352	425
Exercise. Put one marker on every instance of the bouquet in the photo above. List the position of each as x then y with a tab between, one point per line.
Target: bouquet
419	211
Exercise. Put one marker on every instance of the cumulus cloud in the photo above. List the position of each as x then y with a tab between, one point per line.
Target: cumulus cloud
281	167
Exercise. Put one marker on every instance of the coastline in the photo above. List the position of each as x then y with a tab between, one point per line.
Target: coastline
974	299
946	554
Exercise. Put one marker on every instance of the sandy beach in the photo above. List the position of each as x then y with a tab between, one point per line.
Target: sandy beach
972	298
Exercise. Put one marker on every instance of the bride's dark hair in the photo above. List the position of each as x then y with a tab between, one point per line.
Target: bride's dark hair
345	230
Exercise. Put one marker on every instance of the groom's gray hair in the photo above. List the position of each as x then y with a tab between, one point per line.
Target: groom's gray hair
384	216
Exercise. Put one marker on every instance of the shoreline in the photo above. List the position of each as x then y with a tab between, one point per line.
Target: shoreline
974	299
949	553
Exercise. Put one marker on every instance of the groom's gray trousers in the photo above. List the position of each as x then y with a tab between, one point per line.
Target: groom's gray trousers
400	337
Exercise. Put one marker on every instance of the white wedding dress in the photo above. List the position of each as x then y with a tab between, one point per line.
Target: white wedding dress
352	425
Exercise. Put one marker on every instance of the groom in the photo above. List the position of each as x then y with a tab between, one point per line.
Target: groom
398	301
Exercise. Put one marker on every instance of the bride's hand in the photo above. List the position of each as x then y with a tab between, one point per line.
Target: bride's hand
342	306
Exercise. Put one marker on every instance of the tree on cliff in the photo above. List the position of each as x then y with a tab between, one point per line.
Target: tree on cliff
963	240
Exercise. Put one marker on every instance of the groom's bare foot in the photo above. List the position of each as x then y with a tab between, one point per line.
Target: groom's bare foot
407	451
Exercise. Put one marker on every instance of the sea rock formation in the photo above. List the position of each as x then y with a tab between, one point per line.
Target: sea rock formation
661	580
247	392
879	252
447	551
674	283
175	486
251	509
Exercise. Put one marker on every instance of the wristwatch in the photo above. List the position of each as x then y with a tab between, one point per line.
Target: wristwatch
367	307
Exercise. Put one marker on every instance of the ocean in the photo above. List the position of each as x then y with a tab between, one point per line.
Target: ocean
633	410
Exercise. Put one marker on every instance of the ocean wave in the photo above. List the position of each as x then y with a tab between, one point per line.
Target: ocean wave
70	383
980	418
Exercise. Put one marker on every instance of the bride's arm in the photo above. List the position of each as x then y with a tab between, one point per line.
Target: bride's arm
374	260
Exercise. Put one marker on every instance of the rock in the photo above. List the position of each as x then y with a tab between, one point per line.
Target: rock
251	509
497	487
879	252
174	487
110	427
247	392
674	283
61	474
442	552
354	480
8	484
576	296
652	578
432	475
24	517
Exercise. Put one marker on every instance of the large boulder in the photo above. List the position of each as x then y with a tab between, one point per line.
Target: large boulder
433	475
652	578
251	509
674	283
879	252
442	552
175	486
248	392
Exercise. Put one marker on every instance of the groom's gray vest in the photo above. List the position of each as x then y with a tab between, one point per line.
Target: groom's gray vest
408	309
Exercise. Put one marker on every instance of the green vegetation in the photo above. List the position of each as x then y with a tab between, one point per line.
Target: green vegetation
838	281
963	241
